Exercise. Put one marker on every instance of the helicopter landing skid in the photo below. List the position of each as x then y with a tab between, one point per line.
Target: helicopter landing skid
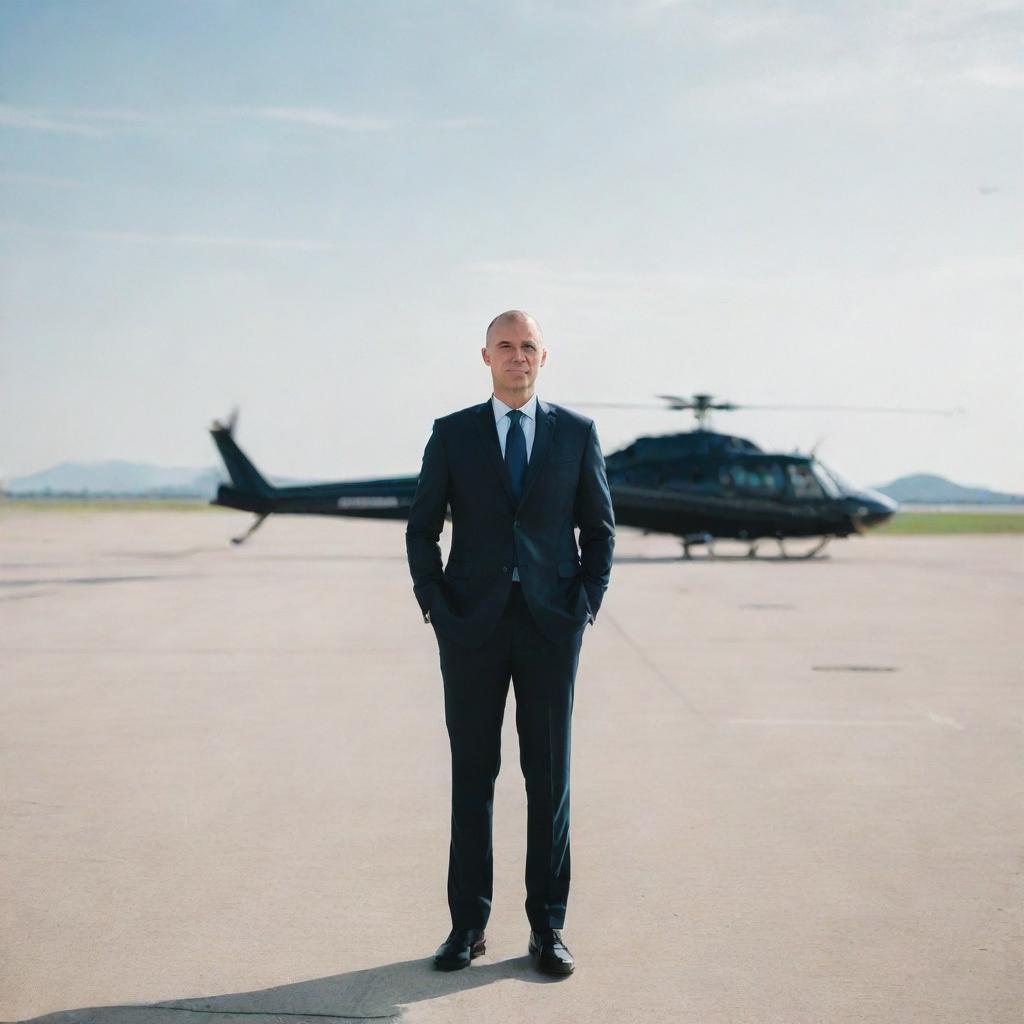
690	539
707	540
807	554
252	529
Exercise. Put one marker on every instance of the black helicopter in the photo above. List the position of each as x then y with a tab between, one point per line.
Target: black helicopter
698	485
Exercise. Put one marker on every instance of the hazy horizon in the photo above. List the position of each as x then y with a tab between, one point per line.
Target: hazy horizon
311	210
216	466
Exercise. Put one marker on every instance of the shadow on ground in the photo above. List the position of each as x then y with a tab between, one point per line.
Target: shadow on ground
377	993
717	557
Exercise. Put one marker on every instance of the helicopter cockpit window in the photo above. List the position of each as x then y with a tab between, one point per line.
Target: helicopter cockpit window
804	483
762	478
842	486
828	484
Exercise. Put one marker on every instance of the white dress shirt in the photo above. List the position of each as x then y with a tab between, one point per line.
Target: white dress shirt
528	423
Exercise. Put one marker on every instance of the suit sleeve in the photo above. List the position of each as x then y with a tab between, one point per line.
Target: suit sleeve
596	520
426	520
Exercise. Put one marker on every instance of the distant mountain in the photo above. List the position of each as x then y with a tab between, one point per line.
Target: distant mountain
927	489
117	478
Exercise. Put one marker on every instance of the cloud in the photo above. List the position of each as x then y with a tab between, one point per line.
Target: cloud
132	117
789	54
157	238
457	122
316	117
34	120
74	121
322	117
40	179
96	122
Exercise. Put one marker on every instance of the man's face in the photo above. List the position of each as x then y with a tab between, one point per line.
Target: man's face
515	354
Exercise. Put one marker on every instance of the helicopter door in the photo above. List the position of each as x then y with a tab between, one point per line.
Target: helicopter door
689	476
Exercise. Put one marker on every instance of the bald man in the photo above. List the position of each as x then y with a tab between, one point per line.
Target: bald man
511	604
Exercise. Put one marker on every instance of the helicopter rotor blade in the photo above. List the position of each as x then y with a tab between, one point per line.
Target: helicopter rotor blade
668	403
956	411
695	402
678	401
702	404
618	405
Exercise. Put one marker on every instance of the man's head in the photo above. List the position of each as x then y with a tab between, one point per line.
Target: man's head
515	352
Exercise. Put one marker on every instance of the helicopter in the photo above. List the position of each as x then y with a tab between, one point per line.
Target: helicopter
698	485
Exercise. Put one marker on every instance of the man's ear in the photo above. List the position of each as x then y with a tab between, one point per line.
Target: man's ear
485	354
543	356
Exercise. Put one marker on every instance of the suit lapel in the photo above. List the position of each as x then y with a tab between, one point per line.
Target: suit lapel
542	434
543	431
488	431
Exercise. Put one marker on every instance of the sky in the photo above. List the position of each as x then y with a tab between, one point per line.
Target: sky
311	209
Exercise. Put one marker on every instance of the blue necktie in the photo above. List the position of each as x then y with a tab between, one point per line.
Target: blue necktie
515	453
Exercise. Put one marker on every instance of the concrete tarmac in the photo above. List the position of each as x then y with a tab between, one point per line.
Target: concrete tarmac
798	787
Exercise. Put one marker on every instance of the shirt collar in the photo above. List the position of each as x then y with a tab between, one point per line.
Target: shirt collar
501	409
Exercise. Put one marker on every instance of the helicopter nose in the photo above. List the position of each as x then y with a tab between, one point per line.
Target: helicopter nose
871	508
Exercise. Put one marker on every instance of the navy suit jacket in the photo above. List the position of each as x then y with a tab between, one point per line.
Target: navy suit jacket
565	487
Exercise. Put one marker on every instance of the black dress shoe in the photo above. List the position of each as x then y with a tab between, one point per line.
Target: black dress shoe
461	946
550	952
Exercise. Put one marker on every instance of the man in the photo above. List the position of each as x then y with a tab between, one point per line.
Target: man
512	603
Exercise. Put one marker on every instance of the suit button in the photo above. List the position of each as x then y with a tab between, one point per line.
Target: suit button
516	523
504	568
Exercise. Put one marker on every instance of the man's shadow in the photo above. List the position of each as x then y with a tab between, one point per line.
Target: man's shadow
377	993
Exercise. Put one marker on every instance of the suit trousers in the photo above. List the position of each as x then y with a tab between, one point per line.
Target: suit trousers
543	674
